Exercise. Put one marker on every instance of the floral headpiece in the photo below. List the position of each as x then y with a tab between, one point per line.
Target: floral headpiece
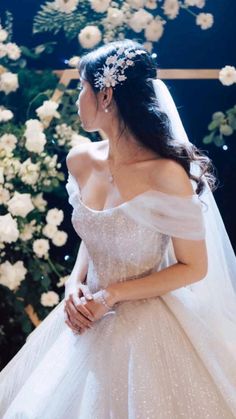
115	66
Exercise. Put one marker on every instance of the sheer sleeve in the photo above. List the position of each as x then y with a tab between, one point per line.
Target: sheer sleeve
72	188
172	215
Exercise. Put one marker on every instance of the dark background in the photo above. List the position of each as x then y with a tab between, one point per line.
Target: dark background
183	45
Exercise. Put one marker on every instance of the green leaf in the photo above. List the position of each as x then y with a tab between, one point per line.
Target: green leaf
27	326
46	282
214	124
208	138
219	141
232	121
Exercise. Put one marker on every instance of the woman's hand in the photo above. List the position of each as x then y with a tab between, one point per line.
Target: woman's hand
94	310
77	319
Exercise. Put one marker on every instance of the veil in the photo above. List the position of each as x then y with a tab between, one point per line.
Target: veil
217	291
206	309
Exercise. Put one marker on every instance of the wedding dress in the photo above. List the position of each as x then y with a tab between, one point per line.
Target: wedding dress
151	358
168	357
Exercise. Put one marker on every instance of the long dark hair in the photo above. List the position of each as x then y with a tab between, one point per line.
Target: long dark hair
139	109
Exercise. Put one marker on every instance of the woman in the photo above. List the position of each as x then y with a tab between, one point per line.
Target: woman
139	333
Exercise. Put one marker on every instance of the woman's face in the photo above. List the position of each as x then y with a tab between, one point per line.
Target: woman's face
86	104
91	107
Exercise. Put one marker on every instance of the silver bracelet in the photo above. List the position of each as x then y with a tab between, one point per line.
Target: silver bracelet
104	301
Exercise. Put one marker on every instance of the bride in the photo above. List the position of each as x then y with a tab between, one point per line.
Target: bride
147	328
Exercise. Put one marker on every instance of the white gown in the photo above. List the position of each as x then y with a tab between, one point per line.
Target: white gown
146	359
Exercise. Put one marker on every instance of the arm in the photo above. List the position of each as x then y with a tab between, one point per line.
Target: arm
191	255
79	271
77	163
191	267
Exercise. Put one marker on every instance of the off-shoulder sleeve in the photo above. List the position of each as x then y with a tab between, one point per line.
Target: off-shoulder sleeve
73	190
175	216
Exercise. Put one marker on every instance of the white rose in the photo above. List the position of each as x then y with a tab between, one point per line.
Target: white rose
115	16
90	36
3	50
205	20
60	238
73	61
8	142
13	51
36	143
28	230
3	35
11	275
8	229
5	115
227	75
136	4
154	31
4	195
65	6
34	125
41	247
1	175
20	204
62	281
100	6
148	46
29	172
39	202
198	3
49	230
47	111
171	8
49	299
55	216
140	20
8	82
151	4
35	138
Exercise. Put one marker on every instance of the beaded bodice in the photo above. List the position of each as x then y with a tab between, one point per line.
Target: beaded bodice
119	247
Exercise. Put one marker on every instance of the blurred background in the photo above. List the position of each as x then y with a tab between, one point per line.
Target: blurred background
39	125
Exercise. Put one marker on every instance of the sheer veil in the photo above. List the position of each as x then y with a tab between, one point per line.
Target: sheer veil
217	291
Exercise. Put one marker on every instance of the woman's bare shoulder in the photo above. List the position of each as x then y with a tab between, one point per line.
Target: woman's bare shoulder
81	158
170	177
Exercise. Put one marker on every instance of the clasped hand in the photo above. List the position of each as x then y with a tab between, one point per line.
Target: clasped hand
82	311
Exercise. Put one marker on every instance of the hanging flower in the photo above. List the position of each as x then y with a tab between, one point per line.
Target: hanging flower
49	299
205	20
100	6
8	229
90	36
65	6
227	75
11	275
41	247
20	204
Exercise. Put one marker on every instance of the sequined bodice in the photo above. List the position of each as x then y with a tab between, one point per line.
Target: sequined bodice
119	248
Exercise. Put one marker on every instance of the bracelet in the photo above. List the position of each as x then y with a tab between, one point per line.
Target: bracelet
104	301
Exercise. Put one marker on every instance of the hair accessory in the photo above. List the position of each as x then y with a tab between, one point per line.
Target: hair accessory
115	65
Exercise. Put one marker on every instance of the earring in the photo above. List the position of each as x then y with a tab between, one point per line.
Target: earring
106	110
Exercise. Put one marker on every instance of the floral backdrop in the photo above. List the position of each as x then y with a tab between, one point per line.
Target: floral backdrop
36	133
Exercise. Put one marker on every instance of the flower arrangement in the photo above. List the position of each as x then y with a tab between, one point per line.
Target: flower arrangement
102	21
34	141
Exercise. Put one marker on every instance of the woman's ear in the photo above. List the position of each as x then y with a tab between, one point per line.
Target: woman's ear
106	97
